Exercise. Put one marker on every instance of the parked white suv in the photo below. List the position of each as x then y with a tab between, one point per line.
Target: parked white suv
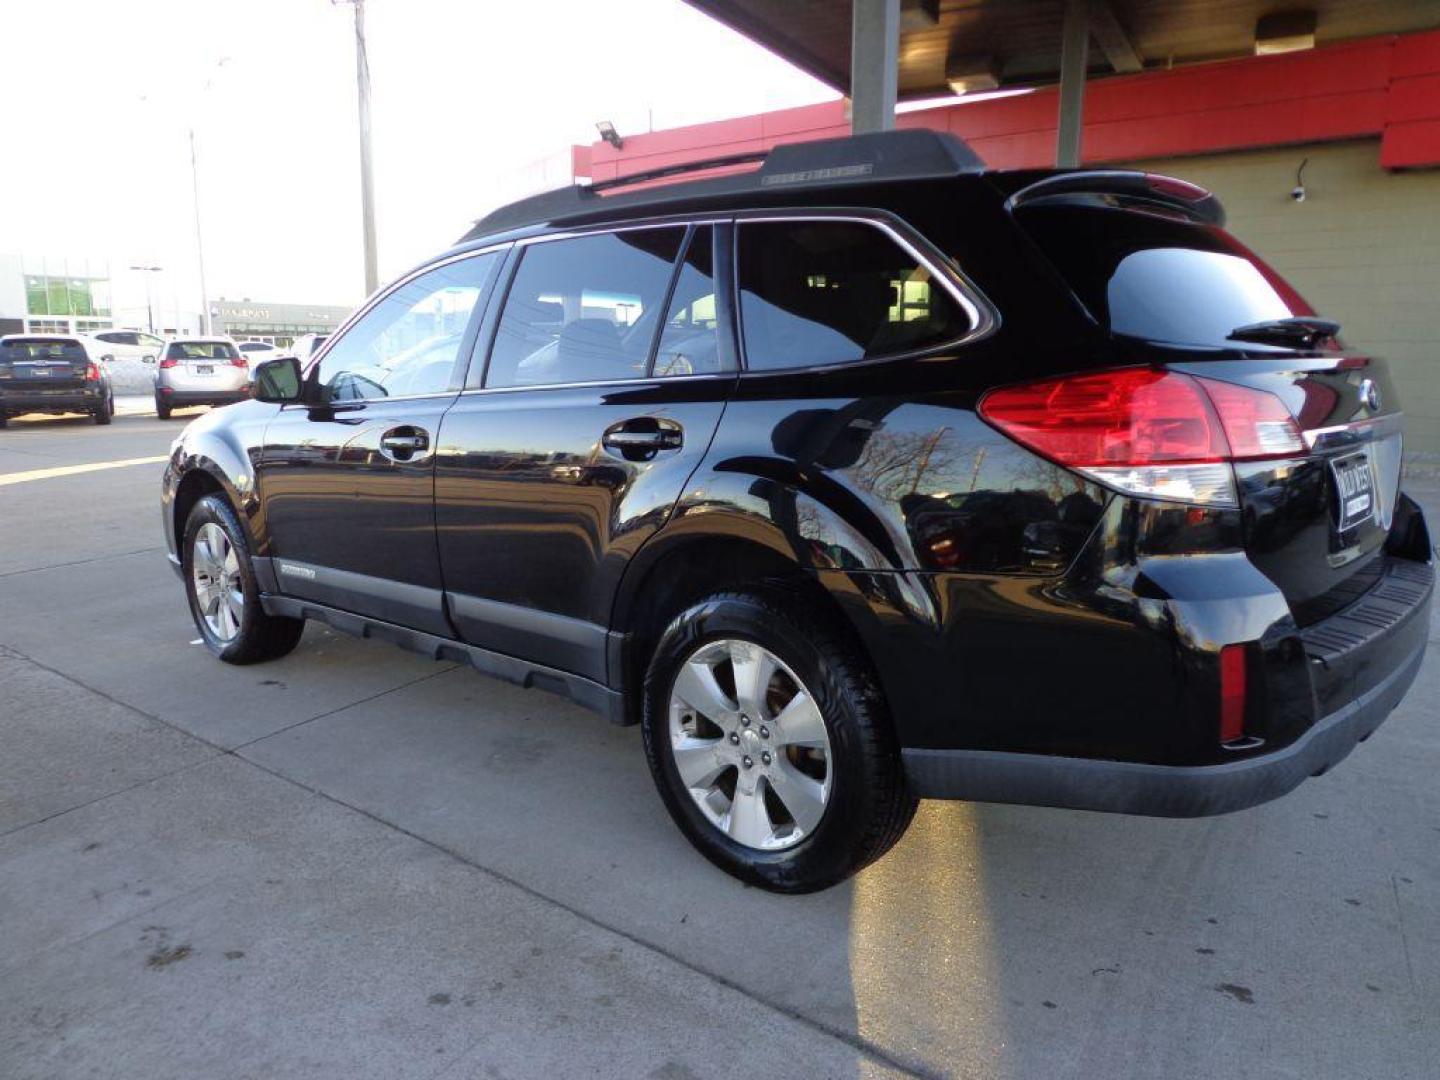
200	371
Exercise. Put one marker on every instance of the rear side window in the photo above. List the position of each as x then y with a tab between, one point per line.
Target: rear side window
690	340
41	349
829	292
1160	278
584	309
200	350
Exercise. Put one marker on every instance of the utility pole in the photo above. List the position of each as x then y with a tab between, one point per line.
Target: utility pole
199	240
367	178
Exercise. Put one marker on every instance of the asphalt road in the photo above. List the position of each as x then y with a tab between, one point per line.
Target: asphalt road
357	863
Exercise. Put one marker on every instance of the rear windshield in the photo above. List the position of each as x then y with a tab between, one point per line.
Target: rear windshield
41	349
201	350
1160	278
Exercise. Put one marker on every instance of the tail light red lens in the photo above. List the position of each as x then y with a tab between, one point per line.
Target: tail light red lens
1135	416
1232	693
169	362
237	361
92	372
1155	433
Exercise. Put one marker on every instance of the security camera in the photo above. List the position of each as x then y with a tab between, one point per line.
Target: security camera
1298	193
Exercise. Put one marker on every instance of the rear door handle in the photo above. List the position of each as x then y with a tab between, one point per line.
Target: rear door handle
404	443
643	437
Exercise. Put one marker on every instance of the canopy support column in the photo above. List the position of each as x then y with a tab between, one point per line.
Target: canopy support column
1074	47
874	64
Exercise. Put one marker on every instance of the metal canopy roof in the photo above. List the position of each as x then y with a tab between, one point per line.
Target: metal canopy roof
1024	35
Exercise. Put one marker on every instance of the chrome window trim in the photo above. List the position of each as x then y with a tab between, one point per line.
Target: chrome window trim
984	317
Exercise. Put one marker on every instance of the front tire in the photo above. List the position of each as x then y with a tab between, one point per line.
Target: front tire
224	597
770	742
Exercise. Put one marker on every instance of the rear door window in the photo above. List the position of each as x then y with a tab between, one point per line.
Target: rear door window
822	292
201	350
690	338
1159	278
586	309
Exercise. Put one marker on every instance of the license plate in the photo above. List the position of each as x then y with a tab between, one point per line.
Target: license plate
204	369
1355	488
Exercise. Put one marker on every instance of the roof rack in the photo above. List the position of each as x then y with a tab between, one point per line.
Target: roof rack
881	157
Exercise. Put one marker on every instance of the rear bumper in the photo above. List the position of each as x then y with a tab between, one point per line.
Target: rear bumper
1359	663
19	402
180	398
1164	790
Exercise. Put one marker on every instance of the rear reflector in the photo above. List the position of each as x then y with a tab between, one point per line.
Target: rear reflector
1160	434
1232	693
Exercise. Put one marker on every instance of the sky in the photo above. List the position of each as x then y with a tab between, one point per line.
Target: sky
474	103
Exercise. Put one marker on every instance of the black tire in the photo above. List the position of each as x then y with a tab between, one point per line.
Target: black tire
162	410
105	411
260	636
870	804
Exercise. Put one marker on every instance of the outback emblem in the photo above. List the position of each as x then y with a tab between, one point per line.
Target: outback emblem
1370	394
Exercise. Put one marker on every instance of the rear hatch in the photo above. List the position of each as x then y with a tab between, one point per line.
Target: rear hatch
204	364
42	365
1177	292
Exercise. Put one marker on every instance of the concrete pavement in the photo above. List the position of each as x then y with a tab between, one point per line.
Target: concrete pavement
354	862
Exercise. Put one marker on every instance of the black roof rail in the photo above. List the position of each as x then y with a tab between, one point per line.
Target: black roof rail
880	157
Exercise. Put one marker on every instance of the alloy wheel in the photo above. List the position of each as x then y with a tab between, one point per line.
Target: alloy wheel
219	594
750	744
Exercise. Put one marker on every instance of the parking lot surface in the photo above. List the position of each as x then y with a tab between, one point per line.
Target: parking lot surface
354	862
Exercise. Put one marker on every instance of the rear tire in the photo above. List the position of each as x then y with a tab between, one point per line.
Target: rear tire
224	597
850	812
162	410
105	411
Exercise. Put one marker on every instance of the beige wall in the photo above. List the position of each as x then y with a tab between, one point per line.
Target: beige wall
1363	248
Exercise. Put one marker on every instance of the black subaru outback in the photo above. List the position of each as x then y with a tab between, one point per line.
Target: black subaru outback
864	476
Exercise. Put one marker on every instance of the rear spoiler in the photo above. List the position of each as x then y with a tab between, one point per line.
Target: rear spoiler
1122	187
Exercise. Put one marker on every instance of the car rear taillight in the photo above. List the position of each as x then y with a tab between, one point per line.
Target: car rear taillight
169	362
1154	433
92	372
1232	693
237	361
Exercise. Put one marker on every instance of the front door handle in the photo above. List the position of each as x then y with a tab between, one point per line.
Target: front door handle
404	443
643	437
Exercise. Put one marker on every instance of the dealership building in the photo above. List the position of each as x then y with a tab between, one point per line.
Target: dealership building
1320	133
77	294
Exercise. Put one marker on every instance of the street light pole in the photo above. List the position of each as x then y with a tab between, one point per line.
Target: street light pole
367	178
199	240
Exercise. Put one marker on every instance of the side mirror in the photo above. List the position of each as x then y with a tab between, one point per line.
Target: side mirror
278	381
148	358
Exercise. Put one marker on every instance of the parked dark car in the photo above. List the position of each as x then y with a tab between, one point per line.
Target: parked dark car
55	374
866	476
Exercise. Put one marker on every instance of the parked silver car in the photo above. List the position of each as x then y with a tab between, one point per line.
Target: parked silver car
257	352
200	371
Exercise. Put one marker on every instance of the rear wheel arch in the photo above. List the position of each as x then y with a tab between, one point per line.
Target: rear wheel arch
681	572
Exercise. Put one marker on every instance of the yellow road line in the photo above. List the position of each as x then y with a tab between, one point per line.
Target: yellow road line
73	470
